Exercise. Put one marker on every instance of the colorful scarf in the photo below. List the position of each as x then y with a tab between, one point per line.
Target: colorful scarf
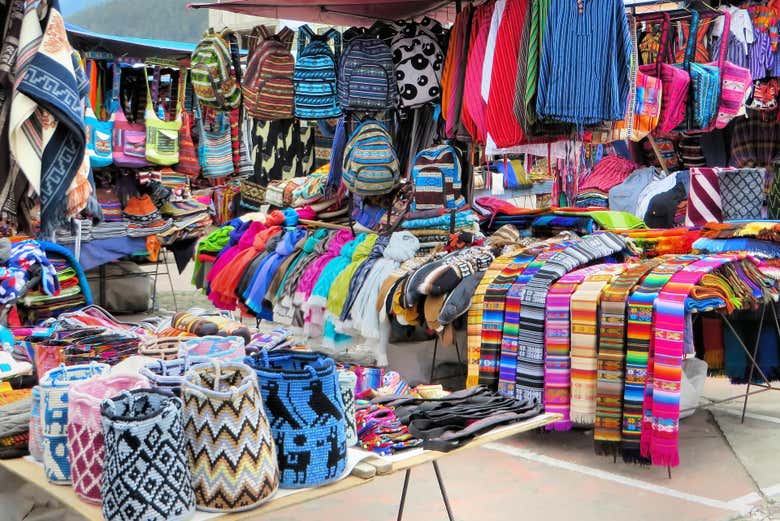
557	336
661	420
638	338
584	341
611	356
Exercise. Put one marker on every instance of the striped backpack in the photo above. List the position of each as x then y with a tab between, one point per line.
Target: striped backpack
436	178
315	75
370	163
268	81
215	71
366	76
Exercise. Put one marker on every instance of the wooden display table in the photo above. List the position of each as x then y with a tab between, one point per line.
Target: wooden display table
363	473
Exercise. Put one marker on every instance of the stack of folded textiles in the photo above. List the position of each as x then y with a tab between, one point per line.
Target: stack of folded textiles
190	219
652	243
433	227
760	238
66	235
592	198
112	211
144	217
109	230
37	305
495	213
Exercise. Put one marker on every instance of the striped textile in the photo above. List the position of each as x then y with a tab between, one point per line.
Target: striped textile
660	422
704	202
472	97
612	354
493	315
539	12
584	340
638	334
474	320
521	71
557	335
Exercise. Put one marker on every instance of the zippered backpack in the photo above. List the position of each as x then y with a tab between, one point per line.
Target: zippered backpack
366	79
215	71
268	81
419	62
316	95
436	178
129	139
370	163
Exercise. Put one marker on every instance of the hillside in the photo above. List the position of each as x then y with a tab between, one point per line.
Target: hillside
159	19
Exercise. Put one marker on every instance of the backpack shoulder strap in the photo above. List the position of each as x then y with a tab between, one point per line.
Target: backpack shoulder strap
305	35
334	35
286	37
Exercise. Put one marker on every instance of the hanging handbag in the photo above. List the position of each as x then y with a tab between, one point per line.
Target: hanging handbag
347	383
129	139
167	375
99	133
54	417
215	148
228	440
86	449
36	436
188	154
675	81
303	402
145	475
736	83
226	348
705	85
162	137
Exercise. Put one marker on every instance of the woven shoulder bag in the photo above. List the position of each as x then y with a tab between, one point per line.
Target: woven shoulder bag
36	436
347	383
162	137
303	402
86	449
228	440
145	476
226	348
164	348
54	417
167	375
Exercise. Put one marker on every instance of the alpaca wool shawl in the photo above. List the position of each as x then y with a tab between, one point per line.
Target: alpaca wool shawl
311	275
284	306
365	318
284	269
594	48
557	345
584	340
337	291
639	335
611	356
662	395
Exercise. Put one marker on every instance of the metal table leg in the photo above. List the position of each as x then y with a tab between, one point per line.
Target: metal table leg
403	495
443	491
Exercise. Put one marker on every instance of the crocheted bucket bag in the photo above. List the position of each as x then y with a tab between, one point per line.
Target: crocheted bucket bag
347	383
164	348
86	449
303	402
54	417
145	475
228	440
226	348
36	436
169	374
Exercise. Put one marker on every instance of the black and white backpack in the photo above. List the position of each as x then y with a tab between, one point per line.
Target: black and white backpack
419	61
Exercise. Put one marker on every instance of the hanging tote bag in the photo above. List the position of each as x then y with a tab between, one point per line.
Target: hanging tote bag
303	402
736	83
675	85
215	148
347	384
225	348
129	139
188	154
86	449
99	133
36	436
145	475
54	417
162	137
228	440
168	375
705	85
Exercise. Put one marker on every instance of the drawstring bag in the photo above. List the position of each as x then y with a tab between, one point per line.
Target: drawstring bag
675	83
303	402
145	475
36	436
167	375
54	417
226	348
85	433
228	440
162	137
347	383
164	348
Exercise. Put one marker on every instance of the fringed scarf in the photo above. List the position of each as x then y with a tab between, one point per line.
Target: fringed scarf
557	345
359	279
584	341
611	357
639	334
661	420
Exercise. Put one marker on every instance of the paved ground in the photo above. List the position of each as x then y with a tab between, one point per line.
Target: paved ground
729	470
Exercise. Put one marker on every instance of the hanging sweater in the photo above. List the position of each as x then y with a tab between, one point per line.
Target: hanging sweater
584	74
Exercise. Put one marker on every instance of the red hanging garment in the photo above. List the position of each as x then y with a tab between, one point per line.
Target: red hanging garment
472	97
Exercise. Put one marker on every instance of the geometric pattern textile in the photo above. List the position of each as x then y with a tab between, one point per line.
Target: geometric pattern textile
742	193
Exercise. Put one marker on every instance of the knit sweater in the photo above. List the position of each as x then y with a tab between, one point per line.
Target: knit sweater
584	76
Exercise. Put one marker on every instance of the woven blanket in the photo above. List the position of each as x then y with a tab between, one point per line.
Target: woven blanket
639	334
557	345
611	356
660	422
584	342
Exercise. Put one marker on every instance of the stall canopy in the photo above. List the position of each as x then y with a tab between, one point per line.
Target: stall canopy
337	12
142	48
